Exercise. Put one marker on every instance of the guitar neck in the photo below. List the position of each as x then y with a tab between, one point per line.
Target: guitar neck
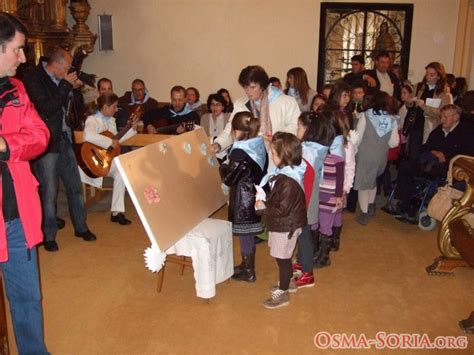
122	132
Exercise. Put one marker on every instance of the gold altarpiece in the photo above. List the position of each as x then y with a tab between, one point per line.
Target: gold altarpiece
47	26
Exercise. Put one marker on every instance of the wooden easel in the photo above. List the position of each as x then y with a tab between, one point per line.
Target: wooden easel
92	194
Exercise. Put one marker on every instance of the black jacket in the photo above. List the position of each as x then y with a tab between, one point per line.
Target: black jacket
241	173
50	101
393	78
459	141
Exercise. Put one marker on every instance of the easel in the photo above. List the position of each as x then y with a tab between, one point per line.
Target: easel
92	194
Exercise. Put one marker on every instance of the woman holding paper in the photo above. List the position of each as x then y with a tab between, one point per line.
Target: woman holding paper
432	94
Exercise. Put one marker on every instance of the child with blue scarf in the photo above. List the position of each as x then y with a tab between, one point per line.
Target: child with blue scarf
241	172
317	131
284	209
378	130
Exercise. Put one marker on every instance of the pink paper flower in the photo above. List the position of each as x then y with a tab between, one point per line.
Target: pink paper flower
151	195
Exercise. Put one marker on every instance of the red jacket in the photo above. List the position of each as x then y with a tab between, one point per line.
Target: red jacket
27	137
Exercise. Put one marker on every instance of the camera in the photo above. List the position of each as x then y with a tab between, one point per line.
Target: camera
76	65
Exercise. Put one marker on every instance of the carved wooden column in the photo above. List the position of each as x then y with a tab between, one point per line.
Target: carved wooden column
454	222
9	6
83	36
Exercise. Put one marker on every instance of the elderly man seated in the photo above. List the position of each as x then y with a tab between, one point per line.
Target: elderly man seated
175	118
452	137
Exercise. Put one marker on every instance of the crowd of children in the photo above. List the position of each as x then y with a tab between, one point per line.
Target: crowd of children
343	140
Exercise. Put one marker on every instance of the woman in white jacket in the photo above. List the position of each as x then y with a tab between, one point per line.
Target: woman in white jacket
276	111
100	122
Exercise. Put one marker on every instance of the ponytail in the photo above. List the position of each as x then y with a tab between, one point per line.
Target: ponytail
245	122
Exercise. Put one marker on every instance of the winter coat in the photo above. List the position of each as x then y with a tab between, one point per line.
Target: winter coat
27	137
241	173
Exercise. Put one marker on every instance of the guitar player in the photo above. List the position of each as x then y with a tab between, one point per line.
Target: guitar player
97	130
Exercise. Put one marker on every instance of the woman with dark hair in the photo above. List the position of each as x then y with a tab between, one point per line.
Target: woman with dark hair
318	100
297	86
215	120
276	111
229	106
192	98
432	94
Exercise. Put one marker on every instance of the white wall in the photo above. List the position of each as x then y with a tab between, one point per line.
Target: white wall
206	43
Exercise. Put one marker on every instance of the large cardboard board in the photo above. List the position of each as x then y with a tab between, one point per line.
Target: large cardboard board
188	185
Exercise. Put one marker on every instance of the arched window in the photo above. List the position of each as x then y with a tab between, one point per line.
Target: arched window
348	29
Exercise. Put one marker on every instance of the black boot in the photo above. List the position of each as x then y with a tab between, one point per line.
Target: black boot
248	270
239	268
323	258
316	243
336	238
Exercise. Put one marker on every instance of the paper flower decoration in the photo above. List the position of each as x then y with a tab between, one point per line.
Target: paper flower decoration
154	259
163	148
225	189
151	195
203	148
212	161
187	148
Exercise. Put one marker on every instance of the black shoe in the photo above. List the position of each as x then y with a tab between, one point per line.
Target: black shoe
406	218
88	236
257	240
120	219
50	245
60	223
392	209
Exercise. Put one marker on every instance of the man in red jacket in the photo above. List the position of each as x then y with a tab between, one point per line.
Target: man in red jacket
23	136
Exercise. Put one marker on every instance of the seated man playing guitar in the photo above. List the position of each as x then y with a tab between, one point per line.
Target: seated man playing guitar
102	145
175	118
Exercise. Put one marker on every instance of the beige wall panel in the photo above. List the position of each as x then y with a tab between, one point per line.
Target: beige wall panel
205	43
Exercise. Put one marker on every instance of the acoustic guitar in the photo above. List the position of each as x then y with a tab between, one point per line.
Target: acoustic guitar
96	161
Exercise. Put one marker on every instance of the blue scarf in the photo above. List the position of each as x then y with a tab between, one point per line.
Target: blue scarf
382	123
337	147
195	106
184	111
273	94
103	117
293	93
315	154
133	101
255	149
294	172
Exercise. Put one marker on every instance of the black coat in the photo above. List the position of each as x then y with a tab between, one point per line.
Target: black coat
241	173
50	101
397	90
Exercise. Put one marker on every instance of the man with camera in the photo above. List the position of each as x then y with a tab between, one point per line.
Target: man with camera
54	89
175	118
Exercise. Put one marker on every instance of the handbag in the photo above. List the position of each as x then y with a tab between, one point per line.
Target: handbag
443	200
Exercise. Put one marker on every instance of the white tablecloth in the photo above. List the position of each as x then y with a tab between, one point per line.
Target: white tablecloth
209	245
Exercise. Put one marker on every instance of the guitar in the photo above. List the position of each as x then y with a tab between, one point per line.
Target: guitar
96	161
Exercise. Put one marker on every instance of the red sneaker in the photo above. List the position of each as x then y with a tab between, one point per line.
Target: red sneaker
296	267
305	280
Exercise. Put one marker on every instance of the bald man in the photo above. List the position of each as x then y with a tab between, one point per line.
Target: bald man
51	87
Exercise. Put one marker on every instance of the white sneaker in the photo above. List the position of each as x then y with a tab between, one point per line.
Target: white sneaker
279	299
291	289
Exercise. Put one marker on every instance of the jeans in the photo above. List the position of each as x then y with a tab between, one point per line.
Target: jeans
22	287
49	168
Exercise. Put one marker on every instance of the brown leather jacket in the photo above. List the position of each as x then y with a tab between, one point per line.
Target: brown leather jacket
285	206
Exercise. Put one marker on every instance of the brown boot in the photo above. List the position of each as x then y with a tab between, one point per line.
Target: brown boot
467	325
